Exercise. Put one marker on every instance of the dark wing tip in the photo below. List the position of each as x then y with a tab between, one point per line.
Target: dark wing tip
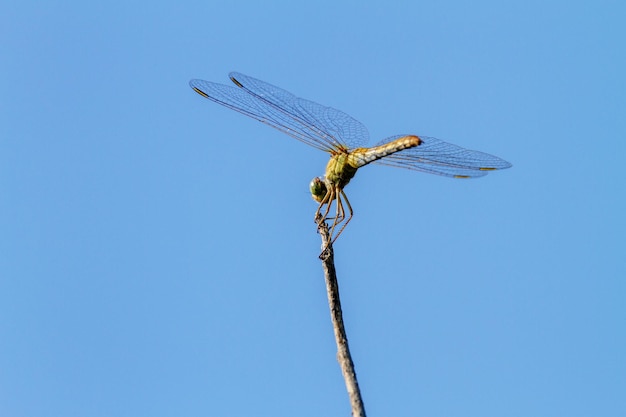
202	93
195	85
233	77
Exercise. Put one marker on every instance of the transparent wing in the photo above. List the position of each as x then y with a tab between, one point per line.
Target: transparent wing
438	157
322	127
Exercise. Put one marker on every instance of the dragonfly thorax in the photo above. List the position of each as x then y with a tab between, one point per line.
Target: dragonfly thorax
339	171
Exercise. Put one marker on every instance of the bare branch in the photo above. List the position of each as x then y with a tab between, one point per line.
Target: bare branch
343	351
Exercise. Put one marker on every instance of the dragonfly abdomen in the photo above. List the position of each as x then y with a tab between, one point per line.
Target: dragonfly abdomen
363	156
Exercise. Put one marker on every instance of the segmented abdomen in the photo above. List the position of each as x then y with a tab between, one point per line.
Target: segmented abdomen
363	156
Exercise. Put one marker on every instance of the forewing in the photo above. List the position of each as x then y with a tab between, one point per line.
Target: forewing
322	127
442	158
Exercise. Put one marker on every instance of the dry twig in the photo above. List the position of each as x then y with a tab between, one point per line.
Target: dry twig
343	351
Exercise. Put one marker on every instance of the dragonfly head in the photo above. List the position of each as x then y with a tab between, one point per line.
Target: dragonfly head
318	189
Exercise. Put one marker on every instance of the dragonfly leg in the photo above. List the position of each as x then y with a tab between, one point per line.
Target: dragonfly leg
343	226
339	212
321	218
328	200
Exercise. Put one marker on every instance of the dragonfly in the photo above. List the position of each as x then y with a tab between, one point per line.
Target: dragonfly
345	139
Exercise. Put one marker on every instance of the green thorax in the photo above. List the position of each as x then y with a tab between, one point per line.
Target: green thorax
340	170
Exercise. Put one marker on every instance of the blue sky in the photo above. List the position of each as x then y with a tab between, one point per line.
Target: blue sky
158	255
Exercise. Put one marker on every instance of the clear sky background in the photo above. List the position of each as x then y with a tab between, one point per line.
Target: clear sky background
158	255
